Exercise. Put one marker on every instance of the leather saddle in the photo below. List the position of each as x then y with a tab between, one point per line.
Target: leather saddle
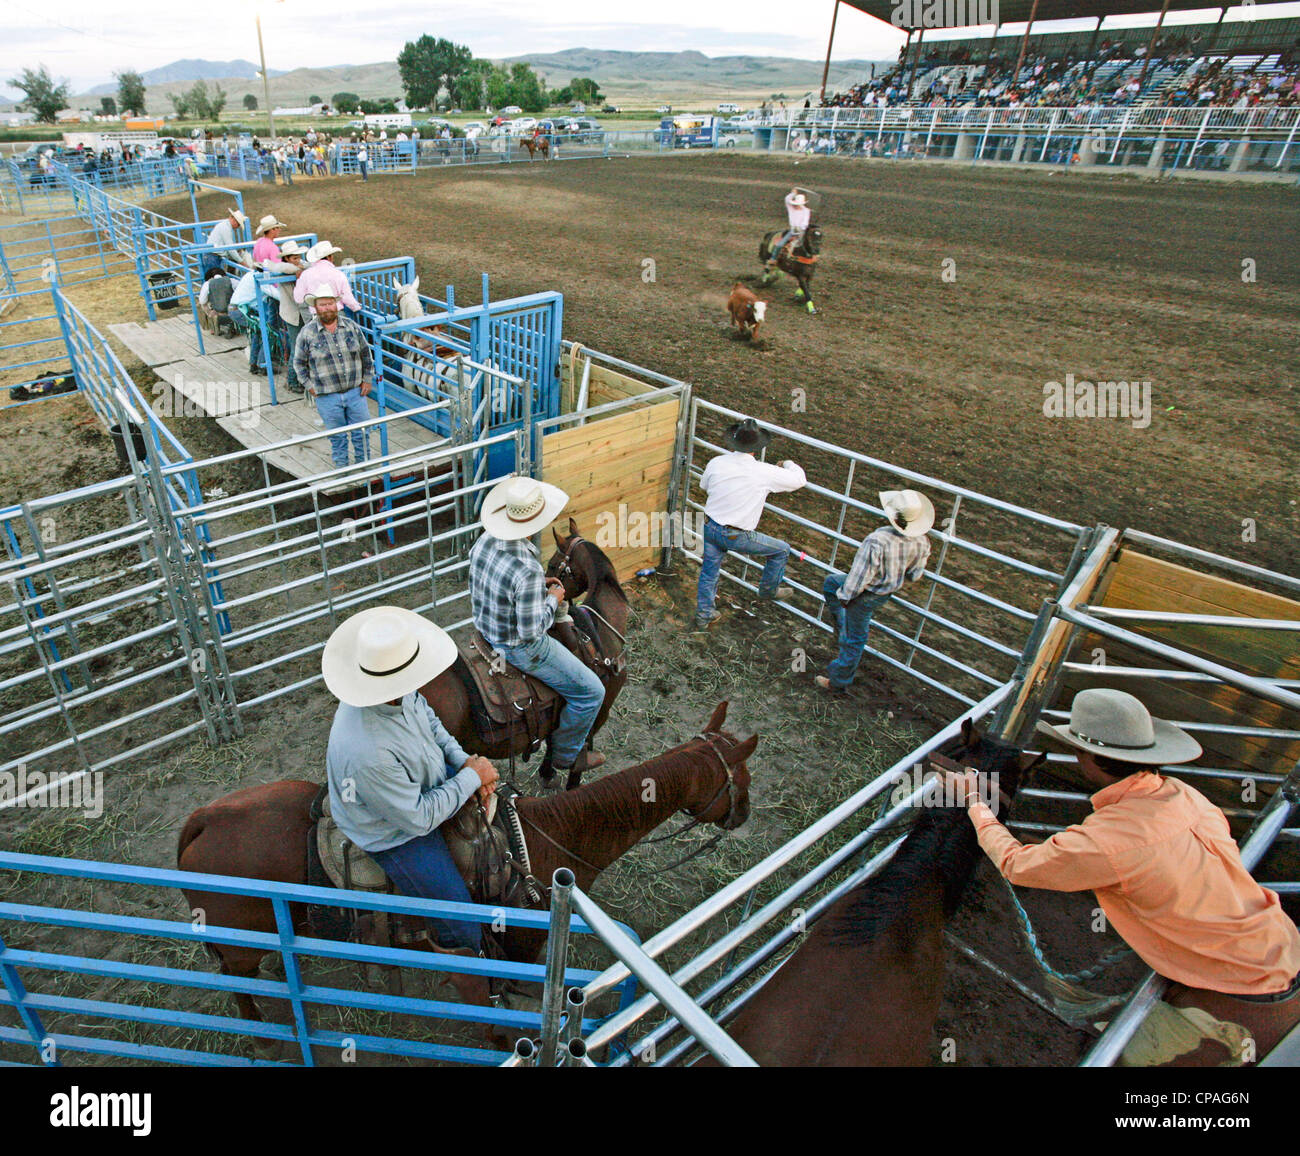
486	844
504	701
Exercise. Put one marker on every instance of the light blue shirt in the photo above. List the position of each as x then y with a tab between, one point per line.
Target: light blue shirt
394	773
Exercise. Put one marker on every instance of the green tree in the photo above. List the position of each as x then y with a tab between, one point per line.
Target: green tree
215	104
314	100
427	66
346	101
469	89
107	106
498	87
585	89
526	88
130	92
250	102
40	94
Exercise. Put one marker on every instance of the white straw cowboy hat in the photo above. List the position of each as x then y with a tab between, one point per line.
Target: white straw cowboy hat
321	250
292	249
521	507
383	654
1115	724
326	294
799	200
240	219
269	222
910	512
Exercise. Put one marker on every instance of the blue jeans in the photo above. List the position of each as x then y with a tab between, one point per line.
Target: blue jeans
365	170
290	340
423	867
340	409
852	624
583	692
717	541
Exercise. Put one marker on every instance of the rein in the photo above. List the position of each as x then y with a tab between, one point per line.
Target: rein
565	569
728	785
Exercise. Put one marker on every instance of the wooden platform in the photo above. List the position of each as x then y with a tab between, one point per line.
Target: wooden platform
220	386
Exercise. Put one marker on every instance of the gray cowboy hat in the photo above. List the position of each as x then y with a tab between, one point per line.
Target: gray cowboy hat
1115	724
746	436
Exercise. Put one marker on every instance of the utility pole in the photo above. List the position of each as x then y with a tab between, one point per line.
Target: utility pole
266	84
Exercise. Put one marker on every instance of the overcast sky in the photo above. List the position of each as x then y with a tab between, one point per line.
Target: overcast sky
85	42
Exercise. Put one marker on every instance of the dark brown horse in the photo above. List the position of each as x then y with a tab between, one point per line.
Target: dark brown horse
536	144
261	833
585	570
800	262
863	990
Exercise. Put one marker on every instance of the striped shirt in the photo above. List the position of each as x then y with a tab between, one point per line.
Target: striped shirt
884	561
507	591
333	362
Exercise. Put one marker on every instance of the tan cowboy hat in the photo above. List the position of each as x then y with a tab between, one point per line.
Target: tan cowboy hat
321	250
383	654
240	219
292	249
1115	724
326	294
268	223
910	512
521	507
799	200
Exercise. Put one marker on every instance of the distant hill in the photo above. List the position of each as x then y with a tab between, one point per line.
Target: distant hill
636	78
186	72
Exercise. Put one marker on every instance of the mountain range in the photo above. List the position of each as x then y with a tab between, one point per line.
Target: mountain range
637	78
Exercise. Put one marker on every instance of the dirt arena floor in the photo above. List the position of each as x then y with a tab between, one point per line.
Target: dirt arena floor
1100	277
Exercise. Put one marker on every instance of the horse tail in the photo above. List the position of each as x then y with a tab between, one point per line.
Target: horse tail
193	828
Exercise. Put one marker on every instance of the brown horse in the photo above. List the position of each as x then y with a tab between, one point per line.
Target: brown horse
585	570
536	144
261	833
863	990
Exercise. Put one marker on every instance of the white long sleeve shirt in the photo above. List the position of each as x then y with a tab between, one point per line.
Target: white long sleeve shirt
799	217
737	485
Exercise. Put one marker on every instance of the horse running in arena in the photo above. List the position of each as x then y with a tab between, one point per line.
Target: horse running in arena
800	261
261	833
536	144
864	988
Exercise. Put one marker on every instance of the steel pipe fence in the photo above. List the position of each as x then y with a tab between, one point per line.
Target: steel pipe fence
43	1013
980	588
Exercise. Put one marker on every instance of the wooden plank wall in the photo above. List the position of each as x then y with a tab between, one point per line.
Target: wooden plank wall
1138	581
605	385
626	459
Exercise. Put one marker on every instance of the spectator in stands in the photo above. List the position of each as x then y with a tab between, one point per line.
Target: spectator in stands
214	302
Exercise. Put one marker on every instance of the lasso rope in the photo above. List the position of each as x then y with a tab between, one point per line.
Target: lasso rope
1106	962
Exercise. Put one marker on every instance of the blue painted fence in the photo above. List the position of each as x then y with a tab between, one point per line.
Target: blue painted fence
37	1043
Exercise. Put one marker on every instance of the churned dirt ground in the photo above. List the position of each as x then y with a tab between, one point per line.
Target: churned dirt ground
1099	277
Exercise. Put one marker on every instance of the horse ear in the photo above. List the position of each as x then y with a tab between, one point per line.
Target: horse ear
1030	763
397	283
719	717
573	528
415	285
742	752
559	540
968	732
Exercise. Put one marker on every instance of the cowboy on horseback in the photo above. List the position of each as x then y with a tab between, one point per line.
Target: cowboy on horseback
395	775
515	605
800	217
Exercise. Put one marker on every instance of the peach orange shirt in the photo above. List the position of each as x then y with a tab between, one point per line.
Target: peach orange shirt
1169	877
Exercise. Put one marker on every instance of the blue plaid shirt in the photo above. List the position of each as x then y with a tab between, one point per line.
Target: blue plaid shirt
507	592
333	362
884	561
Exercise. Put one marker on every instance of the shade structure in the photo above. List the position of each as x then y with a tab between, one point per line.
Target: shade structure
911	13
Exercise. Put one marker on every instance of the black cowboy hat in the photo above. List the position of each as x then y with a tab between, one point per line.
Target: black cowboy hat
746	437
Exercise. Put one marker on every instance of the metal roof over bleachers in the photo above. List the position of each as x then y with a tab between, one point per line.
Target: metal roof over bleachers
1020	11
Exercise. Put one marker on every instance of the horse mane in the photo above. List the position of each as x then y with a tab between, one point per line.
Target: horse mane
602	574
941	843
614	803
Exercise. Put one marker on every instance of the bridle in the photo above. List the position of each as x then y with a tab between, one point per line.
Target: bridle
725	824
565	570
